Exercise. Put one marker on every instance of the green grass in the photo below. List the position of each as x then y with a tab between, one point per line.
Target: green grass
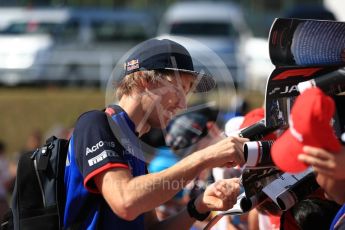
26	109
23	110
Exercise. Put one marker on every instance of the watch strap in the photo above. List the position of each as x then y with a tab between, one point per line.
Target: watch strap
191	209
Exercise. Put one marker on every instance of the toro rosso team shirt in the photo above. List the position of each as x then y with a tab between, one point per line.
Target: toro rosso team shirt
99	142
338	222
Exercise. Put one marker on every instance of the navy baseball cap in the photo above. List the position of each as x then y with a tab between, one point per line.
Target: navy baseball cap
164	54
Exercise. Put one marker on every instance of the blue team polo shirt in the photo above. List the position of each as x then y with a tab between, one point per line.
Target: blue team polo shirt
99	142
338	222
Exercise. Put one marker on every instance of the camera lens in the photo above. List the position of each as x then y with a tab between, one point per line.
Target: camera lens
258	154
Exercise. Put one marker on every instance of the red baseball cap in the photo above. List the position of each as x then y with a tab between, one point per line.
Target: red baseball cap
254	116
309	124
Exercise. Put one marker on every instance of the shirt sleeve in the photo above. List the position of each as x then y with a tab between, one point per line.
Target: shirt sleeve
96	147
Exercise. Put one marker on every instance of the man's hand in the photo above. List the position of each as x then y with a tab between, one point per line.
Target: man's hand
228	151
324	162
219	196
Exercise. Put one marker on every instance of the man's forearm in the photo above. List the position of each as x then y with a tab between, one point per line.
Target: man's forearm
131	196
149	191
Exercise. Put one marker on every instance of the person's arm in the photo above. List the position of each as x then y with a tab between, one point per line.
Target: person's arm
253	219
219	196
131	196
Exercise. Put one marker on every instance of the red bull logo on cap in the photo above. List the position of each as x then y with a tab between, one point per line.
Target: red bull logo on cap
133	64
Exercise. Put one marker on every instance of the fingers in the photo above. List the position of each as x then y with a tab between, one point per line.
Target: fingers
317	152
319	166
323	171
229	164
239	156
222	195
320	159
229	150
324	162
227	186
226	191
314	161
239	139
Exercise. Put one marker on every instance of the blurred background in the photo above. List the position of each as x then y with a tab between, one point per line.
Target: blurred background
56	55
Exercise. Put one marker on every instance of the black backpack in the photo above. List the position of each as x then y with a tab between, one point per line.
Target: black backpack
39	194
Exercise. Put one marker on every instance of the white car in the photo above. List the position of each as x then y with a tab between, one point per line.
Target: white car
220	26
23	57
69	46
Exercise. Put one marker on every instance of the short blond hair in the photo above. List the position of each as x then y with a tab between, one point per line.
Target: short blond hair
131	82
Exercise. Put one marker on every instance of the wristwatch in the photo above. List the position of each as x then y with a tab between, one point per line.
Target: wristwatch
191	209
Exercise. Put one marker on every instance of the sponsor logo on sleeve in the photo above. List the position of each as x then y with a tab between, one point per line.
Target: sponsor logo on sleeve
100	157
99	145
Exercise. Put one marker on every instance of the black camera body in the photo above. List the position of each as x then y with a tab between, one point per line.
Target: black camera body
256	131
